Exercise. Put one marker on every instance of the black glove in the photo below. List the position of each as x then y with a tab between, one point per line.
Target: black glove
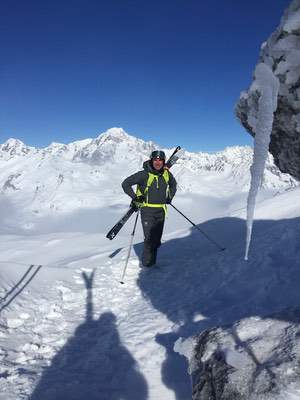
137	201
168	200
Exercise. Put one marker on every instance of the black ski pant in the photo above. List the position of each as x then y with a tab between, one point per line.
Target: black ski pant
153	220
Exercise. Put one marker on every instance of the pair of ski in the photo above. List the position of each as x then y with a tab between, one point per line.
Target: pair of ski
119	225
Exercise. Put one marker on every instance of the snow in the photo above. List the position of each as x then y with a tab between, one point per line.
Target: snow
292	392
185	348
267	85
68	329
235	359
82	175
293	22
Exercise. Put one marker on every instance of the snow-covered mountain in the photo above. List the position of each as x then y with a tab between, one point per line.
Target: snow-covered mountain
86	173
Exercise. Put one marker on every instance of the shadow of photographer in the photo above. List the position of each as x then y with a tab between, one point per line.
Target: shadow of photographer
93	364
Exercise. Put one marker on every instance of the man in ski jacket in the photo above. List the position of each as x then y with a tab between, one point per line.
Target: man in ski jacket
156	187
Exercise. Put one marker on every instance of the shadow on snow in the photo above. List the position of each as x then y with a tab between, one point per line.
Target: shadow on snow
18	288
93	364
198	287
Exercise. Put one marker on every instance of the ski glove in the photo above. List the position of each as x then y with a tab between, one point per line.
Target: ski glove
137	201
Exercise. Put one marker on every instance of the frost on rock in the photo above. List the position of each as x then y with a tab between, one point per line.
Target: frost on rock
267	86
186	349
281	52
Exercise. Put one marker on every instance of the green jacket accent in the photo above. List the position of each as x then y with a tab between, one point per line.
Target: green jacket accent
157	186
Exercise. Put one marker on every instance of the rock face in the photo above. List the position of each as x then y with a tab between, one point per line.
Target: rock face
253	359
281	53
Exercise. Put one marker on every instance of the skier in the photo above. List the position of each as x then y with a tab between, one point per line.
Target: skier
156	187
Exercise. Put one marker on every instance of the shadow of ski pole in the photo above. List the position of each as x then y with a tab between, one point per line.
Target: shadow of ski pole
22	288
17	284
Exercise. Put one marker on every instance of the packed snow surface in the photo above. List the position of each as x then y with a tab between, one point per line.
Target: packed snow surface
70	330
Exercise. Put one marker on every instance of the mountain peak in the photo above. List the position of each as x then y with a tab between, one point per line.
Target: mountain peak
14	147
56	144
115	134
12	142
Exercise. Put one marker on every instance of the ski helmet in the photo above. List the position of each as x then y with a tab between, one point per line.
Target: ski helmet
158	154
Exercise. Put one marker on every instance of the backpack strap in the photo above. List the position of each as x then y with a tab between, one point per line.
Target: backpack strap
151	178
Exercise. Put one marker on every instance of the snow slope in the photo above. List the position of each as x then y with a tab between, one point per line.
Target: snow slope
69	330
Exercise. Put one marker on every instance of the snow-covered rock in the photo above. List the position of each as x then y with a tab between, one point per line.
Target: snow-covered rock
13	148
281	53
255	358
234	163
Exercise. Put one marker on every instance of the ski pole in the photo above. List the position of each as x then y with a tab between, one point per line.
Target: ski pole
203	233
130	246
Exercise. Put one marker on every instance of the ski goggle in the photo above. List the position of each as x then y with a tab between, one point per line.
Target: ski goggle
159	154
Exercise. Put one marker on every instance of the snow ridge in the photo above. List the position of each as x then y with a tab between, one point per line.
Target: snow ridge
86	173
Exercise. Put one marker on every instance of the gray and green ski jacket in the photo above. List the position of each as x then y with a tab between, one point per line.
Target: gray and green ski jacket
159	190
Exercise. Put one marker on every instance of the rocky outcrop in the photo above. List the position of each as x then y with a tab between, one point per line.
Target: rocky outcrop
256	358
281	53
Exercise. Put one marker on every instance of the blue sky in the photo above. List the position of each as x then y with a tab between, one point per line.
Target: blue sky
169	71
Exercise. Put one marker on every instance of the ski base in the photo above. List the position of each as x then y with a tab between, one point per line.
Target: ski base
116	228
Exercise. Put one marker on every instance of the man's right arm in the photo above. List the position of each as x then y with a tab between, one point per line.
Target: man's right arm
135	179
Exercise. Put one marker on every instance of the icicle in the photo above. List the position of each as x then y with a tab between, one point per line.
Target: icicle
268	85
